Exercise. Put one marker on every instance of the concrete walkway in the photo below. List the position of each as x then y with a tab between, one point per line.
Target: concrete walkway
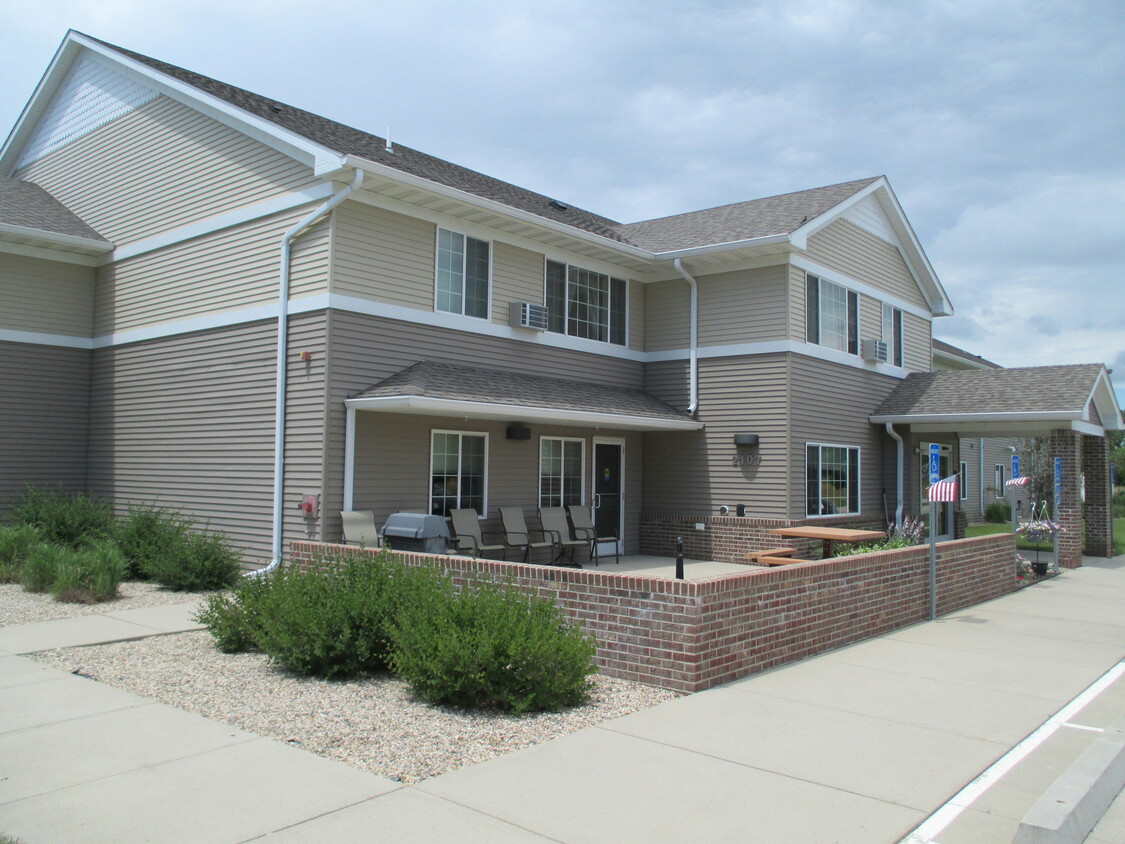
862	744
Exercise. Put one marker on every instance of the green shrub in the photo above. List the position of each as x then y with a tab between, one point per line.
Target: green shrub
231	617
42	566
492	647
195	561
64	518
998	512
16	542
147	533
90	574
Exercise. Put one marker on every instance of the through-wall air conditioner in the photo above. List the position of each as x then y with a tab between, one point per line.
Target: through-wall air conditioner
529	315
875	350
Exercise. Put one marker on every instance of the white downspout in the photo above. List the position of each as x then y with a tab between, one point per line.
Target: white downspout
899	473
980	490
693	364
282	364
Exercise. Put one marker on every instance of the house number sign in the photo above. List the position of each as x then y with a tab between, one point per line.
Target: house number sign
746	460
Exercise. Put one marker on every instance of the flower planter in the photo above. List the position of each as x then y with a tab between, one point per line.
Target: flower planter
1040	569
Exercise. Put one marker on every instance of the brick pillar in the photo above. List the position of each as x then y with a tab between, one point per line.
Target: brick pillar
1066	444
1099	497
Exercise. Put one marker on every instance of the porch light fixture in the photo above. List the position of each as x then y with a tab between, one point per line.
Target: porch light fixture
519	432
749	440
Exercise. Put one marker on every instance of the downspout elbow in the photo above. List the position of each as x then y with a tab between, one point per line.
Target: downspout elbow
693	354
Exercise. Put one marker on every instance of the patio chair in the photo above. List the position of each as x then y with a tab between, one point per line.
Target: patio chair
466	526
584	527
516	534
554	523
359	528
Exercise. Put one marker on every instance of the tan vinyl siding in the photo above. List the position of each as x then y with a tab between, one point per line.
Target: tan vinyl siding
45	398
693	472
162	166
636	324
798	295
517	276
850	250
742	307
383	256
46	296
669	381
188	423
917	343
667	316
224	271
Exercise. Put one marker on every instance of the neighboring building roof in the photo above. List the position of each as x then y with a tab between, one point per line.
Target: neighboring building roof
28	206
457	390
782	214
959	358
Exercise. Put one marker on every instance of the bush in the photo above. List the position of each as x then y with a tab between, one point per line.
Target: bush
232	617
147	533
90	574
16	542
42	566
492	647
195	562
70	519
998	512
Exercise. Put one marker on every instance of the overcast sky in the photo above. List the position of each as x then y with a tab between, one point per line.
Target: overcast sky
1000	124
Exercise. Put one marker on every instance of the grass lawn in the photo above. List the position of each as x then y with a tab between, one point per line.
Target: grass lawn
1023	545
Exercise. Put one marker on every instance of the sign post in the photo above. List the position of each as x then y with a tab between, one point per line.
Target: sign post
935	476
1012	487
1058	497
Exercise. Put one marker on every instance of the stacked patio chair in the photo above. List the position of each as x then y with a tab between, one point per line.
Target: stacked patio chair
554	523
516	534
584	527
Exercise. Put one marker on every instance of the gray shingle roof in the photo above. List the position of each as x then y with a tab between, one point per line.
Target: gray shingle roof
29	206
780	214
1065	389
494	386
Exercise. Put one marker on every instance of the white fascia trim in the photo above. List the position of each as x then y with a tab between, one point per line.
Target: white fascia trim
90	243
424	405
729	246
42	339
817	223
1068	416
773	347
394	175
801	262
58	255
245	214
202	323
46	88
1106	403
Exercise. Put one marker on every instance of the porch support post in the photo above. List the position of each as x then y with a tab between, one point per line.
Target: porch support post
349	458
1099	497
1066	445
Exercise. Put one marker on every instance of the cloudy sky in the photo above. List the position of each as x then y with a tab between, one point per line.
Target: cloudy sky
1000	123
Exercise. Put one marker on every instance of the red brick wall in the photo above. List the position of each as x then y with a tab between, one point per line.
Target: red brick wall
690	635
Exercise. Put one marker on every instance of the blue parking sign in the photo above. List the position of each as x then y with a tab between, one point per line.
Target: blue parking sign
935	462
1015	466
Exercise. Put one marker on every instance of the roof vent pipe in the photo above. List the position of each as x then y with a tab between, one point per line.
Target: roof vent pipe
693	363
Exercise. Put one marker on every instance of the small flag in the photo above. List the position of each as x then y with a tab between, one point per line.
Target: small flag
1024	481
944	490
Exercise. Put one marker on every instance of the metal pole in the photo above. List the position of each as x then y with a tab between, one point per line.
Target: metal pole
679	558
933	560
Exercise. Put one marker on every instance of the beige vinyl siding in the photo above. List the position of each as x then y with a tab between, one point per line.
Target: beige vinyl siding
742	307
383	256
917	343
187	423
161	166
517	276
798	294
669	381
45	396
636	322
848	249
46	296
693	472
234	268
830	405
667	316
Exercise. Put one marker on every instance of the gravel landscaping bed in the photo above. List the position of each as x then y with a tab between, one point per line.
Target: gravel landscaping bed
20	607
371	724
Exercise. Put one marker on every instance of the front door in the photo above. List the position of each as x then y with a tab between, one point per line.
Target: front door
609	492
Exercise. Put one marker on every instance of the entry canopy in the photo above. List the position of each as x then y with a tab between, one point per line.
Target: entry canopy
468	392
1029	401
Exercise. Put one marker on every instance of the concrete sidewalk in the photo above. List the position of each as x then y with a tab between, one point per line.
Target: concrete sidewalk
861	744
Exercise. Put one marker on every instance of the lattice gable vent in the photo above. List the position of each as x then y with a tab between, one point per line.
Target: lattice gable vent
92	95
870	217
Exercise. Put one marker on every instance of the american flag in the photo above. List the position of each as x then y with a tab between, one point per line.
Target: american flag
1024	481
944	490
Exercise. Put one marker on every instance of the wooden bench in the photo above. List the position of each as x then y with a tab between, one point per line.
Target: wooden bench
754	556
778	561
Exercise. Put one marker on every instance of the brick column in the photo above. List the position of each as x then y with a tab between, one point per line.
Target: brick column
1099	497
1066	444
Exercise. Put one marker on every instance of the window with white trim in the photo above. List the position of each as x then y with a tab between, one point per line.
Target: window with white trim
463	270
998	480
457	471
831	479
892	333
584	303
561	462
962	486
831	315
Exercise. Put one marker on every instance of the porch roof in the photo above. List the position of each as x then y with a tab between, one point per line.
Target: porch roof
1021	401
447	389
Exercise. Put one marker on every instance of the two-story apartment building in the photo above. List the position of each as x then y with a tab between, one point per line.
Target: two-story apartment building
222	304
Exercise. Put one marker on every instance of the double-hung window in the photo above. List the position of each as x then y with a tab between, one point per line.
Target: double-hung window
560	471
892	333
831	315
998	480
962	481
462	274
831	480
583	303
457	471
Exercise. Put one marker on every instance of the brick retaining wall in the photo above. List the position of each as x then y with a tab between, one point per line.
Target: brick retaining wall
690	635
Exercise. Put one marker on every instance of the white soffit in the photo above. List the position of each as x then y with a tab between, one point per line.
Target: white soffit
868	216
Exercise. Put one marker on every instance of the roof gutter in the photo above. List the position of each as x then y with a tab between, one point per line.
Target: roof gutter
299	228
693	364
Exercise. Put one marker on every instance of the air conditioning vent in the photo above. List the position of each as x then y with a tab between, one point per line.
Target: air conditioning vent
529	315
875	350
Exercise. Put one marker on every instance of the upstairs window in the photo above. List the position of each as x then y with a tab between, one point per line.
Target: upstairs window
892	333
583	303
831	480
462	274
831	315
